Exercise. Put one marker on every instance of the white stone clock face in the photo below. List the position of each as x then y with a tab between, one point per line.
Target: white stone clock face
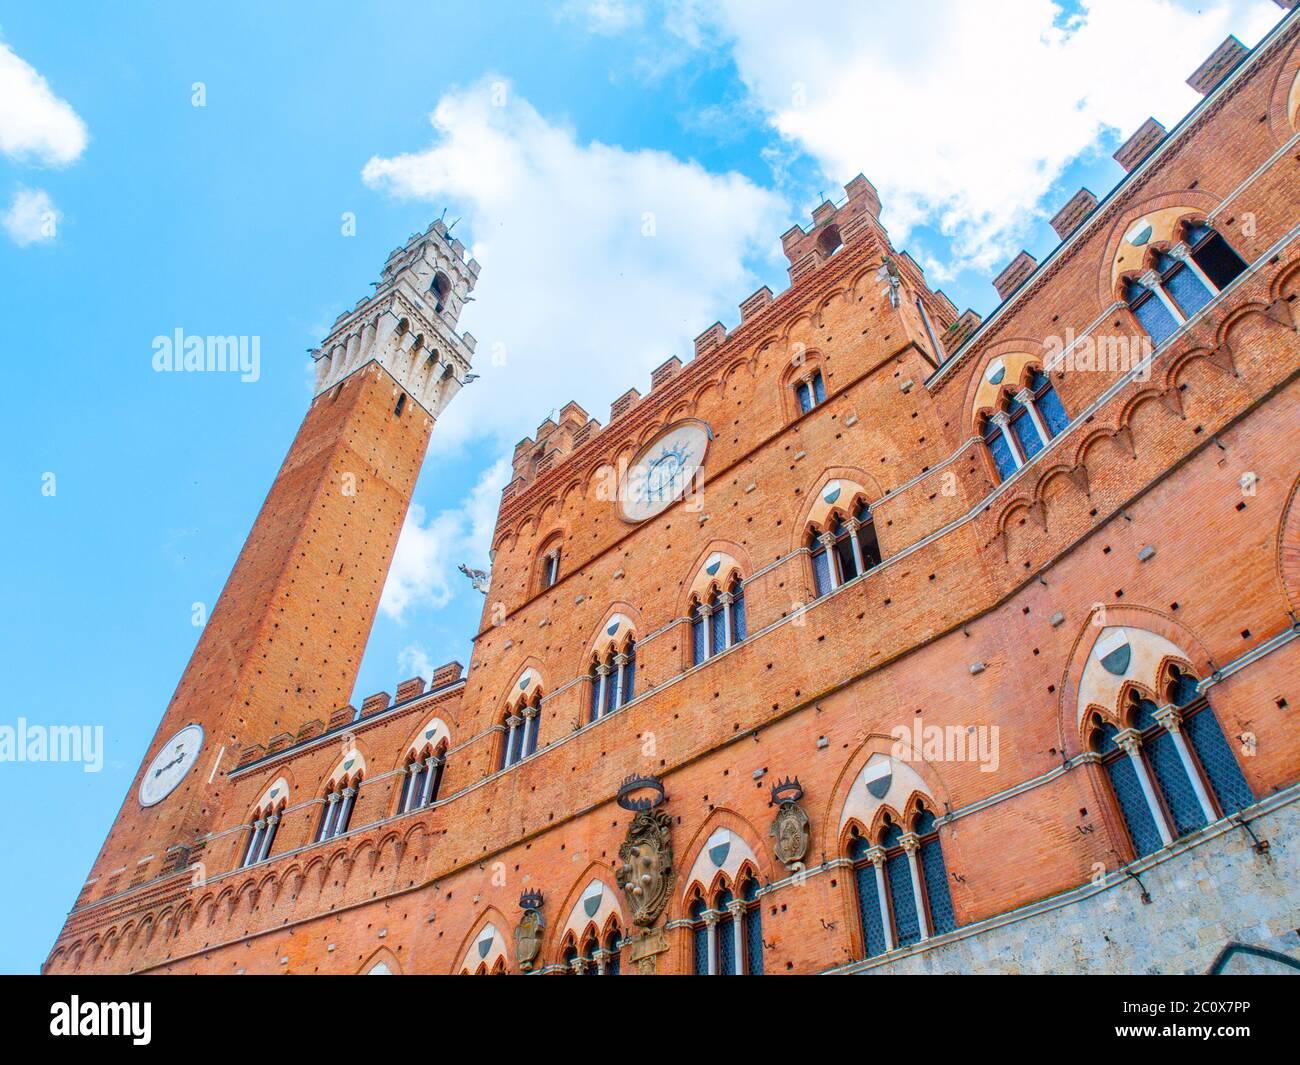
664	471
170	765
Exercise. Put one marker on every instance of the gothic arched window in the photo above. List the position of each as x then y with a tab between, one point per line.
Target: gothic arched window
549	567
261	834
1023	424
612	679
719	622
727	936
810	391
423	778
1171	770
613	951
340	798
902	884
1181	280
845	550
521	726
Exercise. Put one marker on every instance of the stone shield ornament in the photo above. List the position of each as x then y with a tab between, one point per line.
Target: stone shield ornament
528	935
790	833
647	874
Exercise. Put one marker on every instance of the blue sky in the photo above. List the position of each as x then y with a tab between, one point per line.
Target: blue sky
553	131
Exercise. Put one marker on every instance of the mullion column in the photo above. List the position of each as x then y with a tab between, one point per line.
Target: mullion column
1131	742
911	842
737	910
876	856
1172	720
268	837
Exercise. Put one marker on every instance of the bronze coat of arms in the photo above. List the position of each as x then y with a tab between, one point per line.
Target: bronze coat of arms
647	875
789	832
528	932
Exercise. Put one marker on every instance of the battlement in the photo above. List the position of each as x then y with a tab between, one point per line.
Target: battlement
445	677
833	226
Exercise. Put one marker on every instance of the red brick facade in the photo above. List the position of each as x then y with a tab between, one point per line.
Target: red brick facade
1166	506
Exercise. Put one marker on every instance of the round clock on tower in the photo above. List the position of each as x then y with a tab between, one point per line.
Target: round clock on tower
170	765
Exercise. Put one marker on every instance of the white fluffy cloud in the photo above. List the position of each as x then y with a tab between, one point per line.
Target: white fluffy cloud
424	573
604	16
598	262
964	114
31	217
414	661
35	125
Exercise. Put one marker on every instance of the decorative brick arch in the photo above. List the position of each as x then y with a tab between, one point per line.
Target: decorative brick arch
910	777
1165	640
692	860
856	484
1288	550
1164	211
572	918
731	559
624	619
470	957
382	962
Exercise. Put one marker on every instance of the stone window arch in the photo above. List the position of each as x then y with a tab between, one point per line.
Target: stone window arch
716	610
339	801
548	562
520	724
1018	412
727	925
611	671
842	545
804	384
1158	741
422	772
899	873
1170	264
264	822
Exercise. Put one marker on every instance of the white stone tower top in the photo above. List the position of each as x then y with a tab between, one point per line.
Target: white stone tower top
408	325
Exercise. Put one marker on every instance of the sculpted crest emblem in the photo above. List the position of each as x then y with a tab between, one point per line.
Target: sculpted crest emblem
528	932
789	832
647	874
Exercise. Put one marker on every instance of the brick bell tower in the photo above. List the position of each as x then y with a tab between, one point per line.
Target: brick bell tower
284	643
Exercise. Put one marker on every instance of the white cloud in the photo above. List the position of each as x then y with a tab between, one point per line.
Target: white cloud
963	116
576	299
35	125
414	661
424	573
604	17
32	217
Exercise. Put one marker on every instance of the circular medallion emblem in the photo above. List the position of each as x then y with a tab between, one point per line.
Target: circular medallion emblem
170	765
664	471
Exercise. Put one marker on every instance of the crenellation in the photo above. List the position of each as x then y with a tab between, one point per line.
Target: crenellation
1219	64
1144	141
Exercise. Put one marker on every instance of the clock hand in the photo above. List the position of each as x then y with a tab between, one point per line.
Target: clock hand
162	769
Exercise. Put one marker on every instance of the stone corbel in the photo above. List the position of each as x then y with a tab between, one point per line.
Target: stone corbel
1000	540
1038	511
1079	478
1123	439
1222	358
1172	399
1279	311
